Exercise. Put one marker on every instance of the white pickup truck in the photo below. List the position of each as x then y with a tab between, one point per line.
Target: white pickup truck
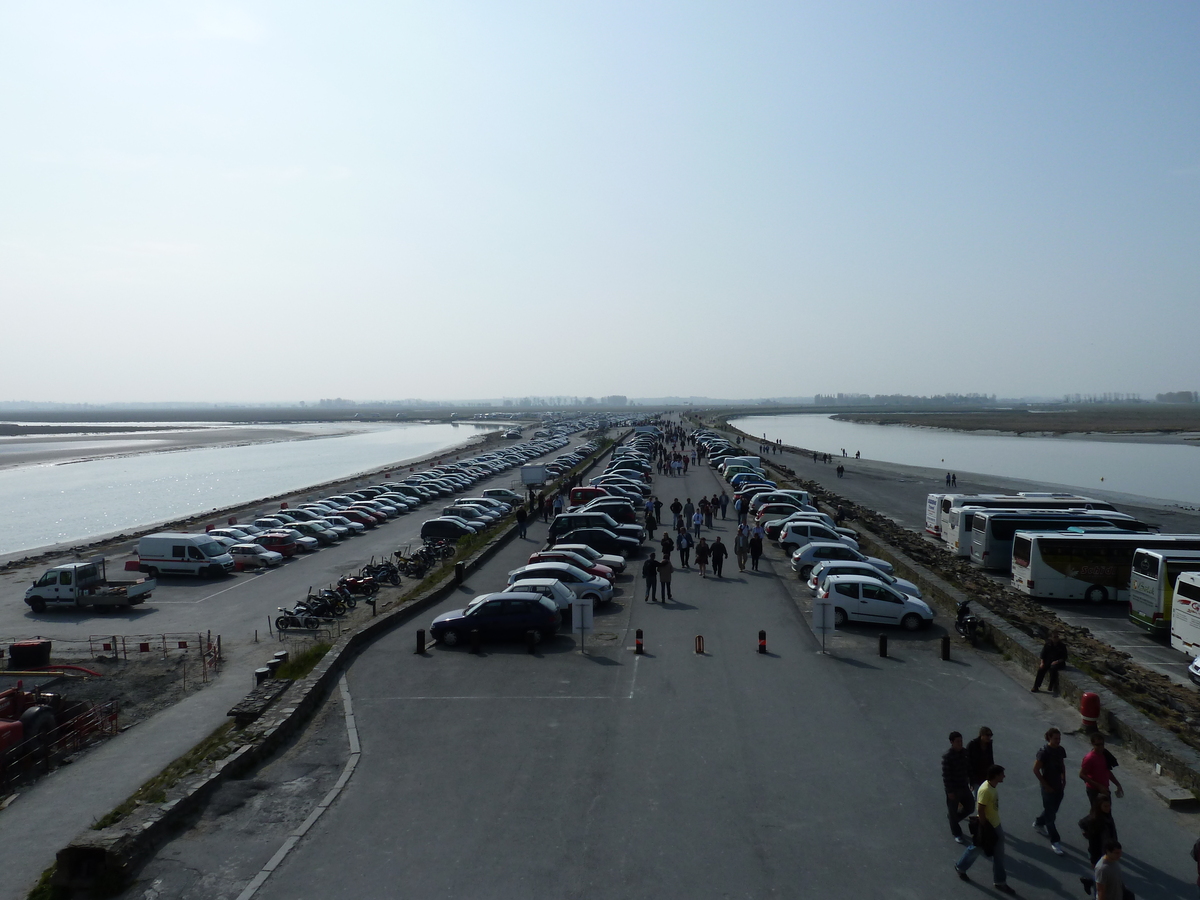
84	584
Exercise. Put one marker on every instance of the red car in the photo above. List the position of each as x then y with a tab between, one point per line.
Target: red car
358	515
575	559
279	541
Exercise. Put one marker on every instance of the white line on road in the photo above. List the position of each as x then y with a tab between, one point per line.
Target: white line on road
295	836
489	697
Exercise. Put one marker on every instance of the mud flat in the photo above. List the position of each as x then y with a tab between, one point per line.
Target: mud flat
1142	423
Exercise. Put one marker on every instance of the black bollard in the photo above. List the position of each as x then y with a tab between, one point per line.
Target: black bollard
762	642
460	572
945	647
637	649
883	646
531	641
420	640
475	641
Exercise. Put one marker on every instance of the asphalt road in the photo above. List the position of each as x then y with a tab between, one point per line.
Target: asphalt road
676	774
899	492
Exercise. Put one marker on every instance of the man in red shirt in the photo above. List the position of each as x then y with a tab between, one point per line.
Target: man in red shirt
1096	770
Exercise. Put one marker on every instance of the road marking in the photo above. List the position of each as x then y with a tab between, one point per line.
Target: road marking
489	697
294	838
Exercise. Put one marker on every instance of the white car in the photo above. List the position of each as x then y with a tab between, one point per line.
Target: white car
579	581
823	570
254	556
859	598
806	557
547	587
616	563
797	534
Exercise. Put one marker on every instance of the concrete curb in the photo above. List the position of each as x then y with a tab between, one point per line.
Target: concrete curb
110	856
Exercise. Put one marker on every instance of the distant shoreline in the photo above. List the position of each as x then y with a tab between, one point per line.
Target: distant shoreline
1157	423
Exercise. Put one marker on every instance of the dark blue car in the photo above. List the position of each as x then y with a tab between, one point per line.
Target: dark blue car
504	616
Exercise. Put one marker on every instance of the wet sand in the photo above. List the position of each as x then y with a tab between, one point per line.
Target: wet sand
81	444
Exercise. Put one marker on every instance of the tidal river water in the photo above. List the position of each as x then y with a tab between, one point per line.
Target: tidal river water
59	502
1163	471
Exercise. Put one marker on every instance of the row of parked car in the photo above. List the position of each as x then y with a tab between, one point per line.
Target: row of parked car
269	540
827	556
585	555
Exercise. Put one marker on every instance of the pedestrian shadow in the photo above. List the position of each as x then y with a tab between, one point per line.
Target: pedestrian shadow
678	604
851	661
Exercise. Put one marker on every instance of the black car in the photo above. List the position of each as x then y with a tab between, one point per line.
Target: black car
601	540
503	616
444	528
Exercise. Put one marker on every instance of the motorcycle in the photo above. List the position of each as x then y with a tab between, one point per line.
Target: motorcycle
362	587
967	624
296	618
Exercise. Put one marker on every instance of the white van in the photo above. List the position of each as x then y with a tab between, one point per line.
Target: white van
181	553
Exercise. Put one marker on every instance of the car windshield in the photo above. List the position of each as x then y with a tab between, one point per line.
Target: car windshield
475	604
211	548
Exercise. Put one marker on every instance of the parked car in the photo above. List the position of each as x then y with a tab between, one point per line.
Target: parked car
600	590
254	556
504	495
279	541
445	528
860	598
806	558
498	616
614	562
575	559
600	539
547	587
797	534
823	570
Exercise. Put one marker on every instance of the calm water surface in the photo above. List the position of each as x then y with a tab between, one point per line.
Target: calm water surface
56	503
1163	471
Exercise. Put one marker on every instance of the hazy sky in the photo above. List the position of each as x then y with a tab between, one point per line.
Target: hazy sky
284	201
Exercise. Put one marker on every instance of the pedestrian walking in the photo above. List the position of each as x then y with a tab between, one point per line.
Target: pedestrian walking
979	757
706	512
953	481
683	541
741	548
956	783
718	553
521	520
703	552
651	524
1110	885
1098	830
990	839
1096	770
697	521
724	503
667	546
1053	661
739	507
658	505
676	510
756	549
1050	767
650	574
545	509
665	570
947	479
689	510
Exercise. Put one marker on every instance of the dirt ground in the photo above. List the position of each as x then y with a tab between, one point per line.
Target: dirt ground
142	686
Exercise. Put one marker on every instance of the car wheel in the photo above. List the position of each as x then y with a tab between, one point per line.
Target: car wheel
806	572
839	617
1096	594
911	622
548	634
151	571
450	638
38	605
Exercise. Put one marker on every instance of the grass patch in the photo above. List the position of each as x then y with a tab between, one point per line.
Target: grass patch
303	662
44	890
212	748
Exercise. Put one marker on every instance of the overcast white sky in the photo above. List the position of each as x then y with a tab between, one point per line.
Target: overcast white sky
285	201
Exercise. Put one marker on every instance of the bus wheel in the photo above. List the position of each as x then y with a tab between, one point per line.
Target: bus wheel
1095	594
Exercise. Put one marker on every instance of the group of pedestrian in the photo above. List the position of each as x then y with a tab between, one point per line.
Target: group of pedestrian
657	575
951	479
971	780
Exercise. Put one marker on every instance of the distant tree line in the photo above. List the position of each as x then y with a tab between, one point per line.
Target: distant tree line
1178	397
904	400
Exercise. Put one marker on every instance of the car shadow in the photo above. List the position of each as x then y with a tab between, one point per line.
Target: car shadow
76	615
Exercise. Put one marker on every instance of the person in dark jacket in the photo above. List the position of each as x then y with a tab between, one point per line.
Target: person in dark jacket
650	573
718	552
957	784
1098	828
979	758
521	520
1054	659
756	550
667	546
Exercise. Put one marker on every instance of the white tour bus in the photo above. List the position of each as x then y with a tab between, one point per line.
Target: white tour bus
1075	565
935	503
1152	585
1185	616
1020	501
992	530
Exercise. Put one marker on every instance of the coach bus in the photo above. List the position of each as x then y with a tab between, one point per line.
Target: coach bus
992	530
1152	585
1015	501
1185	618
1073	565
